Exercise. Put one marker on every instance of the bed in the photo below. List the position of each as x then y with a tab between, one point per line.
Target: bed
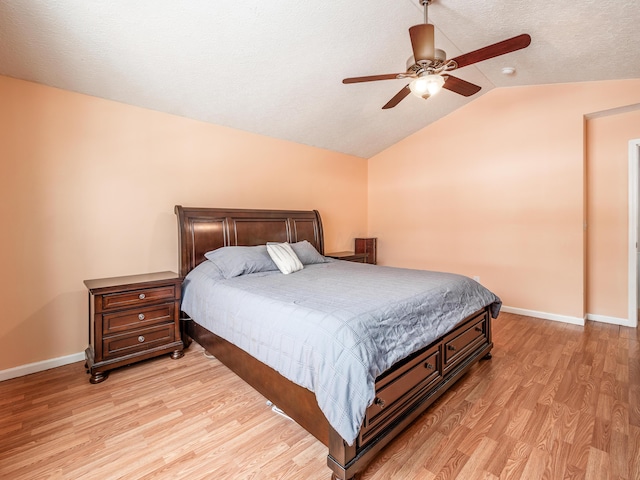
403	391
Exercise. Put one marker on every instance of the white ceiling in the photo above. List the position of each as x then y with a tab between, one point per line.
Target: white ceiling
275	67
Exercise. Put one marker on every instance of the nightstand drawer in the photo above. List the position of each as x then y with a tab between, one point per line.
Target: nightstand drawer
142	296
134	319
138	341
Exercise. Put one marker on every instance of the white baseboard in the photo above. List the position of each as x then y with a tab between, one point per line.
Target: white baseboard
40	366
544	315
76	357
567	319
613	320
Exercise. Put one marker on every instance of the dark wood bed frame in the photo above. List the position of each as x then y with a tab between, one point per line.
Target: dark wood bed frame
402	393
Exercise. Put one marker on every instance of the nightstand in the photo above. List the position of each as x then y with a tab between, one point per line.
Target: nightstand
368	246
349	256
132	318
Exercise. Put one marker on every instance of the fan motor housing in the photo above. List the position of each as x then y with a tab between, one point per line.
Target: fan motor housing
440	56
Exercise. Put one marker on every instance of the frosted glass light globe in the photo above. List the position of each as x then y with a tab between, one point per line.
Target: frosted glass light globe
426	85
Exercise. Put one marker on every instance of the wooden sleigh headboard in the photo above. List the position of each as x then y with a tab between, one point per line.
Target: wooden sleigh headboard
201	230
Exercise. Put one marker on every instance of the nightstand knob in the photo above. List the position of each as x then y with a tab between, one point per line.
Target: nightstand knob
141	316
141	296
141	339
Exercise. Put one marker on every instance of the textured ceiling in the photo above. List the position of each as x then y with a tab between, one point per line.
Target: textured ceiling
275	68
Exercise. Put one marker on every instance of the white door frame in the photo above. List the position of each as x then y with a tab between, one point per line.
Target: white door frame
634	179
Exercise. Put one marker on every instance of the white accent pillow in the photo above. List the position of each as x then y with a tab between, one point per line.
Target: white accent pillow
284	257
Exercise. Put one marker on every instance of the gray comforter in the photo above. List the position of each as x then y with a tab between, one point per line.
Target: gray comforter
333	327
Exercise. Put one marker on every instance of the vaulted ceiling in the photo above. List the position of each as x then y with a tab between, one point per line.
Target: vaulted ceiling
275	67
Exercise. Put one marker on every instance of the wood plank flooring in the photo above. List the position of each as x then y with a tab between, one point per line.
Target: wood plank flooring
557	401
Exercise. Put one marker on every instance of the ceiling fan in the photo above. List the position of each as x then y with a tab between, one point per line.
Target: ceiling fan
429	67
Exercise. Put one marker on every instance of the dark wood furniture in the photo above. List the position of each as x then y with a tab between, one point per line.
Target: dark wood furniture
369	246
365	252
132	318
402	393
349	256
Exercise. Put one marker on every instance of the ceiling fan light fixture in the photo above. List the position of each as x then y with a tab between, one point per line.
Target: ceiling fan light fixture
426	86
430	69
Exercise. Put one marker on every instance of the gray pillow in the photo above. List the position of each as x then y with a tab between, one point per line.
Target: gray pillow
236	261
307	253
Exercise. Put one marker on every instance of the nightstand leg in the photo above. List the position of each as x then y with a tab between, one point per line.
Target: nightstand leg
176	354
98	377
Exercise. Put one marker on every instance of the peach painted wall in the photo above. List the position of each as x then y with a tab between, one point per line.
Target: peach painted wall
496	189
88	189
607	211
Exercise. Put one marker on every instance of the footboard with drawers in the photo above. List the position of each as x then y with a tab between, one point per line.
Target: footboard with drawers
406	390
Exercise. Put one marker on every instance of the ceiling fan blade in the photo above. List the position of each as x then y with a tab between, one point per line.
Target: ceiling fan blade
495	50
398	97
460	86
422	42
373	78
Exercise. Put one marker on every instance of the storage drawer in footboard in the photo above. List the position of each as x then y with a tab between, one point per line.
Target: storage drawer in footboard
465	340
397	389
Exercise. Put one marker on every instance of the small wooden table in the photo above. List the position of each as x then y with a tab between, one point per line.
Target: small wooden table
132	318
349	256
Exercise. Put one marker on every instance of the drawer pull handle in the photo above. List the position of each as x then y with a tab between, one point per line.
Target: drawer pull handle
478	329
141	316
428	365
141	296
451	347
141	339
378	401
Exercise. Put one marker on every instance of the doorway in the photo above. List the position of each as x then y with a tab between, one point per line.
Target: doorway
634	212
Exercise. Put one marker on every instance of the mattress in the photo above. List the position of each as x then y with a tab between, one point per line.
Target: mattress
333	327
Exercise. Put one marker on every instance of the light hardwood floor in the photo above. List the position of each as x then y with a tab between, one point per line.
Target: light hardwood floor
557	401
